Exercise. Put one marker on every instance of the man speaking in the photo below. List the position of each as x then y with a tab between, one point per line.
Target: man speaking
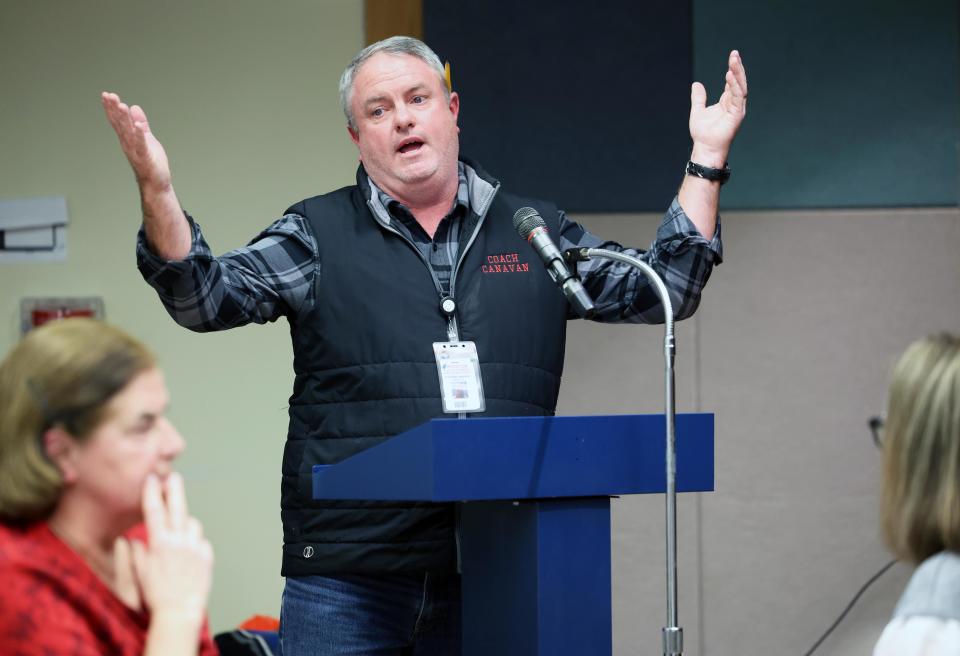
389	285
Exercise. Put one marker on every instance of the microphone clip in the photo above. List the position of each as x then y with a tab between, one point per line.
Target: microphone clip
573	255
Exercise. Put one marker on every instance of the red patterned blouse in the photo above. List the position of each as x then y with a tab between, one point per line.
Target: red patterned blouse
51	602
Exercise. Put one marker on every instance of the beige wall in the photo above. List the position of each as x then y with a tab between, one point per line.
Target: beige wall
790	348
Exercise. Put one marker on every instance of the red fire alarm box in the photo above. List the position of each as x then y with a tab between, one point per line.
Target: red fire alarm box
34	312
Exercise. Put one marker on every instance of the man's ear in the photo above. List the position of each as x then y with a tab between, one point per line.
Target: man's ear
354	135
61	448
454	104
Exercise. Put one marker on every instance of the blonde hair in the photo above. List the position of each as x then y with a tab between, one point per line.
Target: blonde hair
61	374
920	494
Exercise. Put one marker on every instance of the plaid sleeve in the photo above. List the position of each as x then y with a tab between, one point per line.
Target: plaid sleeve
270	277
622	294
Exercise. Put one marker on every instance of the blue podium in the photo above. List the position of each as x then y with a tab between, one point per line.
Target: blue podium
533	499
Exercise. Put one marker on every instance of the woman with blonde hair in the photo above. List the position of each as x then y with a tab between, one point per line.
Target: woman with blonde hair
86	455
920	497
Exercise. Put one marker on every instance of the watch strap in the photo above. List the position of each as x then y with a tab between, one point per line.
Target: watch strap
707	173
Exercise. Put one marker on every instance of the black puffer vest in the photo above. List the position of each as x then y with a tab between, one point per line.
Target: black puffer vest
365	368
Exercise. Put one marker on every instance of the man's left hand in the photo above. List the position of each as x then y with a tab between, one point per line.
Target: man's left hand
713	128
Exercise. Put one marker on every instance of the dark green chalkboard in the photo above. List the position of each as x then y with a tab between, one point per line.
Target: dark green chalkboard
852	104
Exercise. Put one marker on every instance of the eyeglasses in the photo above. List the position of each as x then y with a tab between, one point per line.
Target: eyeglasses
876	429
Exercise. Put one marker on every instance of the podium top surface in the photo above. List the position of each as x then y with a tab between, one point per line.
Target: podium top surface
525	458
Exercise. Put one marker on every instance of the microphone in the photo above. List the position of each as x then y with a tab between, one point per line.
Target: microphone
532	227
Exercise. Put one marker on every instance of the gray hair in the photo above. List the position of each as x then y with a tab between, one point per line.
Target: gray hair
395	45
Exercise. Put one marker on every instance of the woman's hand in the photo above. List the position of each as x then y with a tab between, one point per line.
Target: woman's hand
171	574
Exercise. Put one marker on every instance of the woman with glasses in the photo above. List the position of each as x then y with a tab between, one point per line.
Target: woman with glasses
920	497
86	459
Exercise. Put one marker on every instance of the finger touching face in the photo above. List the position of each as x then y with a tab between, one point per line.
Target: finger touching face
176	502
154	512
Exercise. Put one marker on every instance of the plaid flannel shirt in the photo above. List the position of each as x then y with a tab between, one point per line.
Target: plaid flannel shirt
274	274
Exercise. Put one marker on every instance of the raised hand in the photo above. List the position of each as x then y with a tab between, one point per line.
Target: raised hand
713	127
174	570
146	155
168	232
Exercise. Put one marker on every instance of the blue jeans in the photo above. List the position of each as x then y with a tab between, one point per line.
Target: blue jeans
388	615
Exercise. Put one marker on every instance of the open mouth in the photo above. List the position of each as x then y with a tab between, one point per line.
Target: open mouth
410	146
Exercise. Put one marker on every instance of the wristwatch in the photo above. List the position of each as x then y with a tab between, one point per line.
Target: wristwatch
707	173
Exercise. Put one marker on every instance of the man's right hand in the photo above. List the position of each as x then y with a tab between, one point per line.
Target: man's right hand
145	154
168	232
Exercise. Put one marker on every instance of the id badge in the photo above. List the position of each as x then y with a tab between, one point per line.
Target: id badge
459	368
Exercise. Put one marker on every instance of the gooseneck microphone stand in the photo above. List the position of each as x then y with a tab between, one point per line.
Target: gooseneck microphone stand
672	633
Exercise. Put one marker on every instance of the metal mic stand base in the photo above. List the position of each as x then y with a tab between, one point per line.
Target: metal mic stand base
672	641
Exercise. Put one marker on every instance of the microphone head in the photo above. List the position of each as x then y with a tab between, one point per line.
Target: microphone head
526	220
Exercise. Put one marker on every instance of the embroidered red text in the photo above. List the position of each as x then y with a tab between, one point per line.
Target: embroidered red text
505	263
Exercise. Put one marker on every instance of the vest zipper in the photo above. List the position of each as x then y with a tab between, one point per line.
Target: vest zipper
473	238
453	330
456	536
